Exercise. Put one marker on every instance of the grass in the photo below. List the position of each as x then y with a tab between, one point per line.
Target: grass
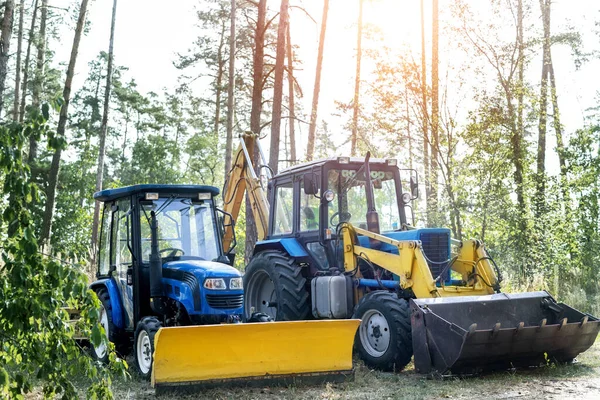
578	381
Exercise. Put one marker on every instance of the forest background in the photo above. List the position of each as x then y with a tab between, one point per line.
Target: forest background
495	103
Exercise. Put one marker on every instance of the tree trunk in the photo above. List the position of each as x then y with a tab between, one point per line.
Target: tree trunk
255	113
103	131
560	269
38	84
425	122
219	82
435	151
517	132
41	46
560	148
26	66
60	131
357	80
230	92
290	75
542	124
5	36
15	112
278	87
408	132
310	148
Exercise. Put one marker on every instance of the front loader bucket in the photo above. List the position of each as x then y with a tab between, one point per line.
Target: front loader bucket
475	333
247	354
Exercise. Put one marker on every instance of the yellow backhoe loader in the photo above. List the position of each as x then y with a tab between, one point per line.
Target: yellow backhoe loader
335	243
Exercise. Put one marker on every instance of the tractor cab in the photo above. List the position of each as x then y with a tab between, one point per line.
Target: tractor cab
311	202
161	263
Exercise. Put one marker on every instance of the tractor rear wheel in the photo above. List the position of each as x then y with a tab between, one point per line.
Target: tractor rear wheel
144	345
384	337
274	285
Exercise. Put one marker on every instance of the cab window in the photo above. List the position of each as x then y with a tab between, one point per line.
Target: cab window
309	210
284	205
104	242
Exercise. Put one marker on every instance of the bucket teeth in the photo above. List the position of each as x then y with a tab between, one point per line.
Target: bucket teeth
520	327
563	322
542	323
495	329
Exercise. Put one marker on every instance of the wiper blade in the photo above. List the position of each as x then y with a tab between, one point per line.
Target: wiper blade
349	183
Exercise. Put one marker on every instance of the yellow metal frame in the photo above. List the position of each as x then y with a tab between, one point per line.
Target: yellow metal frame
196	354
411	266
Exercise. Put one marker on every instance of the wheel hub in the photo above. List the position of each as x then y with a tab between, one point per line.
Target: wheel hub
374	333
261	296
144	352
101	350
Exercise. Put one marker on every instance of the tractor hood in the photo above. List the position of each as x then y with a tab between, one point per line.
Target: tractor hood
202	269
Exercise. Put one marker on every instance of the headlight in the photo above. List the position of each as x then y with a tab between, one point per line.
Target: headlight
235	283
215	284
329	195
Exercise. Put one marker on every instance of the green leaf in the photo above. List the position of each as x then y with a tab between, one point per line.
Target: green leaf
4	379
46	111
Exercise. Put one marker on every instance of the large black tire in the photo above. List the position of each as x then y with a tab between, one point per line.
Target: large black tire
274	285
144	345
114	334
384	337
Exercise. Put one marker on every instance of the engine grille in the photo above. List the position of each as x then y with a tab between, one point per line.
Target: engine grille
225	301
436	249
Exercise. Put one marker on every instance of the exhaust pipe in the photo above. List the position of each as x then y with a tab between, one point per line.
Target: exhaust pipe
156	291
465	335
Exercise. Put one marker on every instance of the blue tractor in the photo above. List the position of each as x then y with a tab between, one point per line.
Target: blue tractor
161	263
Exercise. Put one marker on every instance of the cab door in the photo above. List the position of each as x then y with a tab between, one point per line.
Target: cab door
121	259
309	224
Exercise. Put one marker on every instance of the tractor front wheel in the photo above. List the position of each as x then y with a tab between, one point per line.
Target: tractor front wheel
113	334
274	285
384	337
144	345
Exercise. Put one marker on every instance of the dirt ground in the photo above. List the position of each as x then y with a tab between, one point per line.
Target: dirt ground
576	381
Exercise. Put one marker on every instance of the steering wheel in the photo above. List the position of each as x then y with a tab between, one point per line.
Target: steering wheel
172	250
343	216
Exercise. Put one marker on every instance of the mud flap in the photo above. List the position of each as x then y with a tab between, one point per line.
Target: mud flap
463	335
211	355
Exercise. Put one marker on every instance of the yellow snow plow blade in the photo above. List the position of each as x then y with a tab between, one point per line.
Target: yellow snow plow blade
244	353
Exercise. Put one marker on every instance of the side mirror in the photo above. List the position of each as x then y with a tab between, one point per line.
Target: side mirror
414	185
223	225
310	184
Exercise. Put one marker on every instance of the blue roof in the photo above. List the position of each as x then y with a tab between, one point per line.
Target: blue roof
113	194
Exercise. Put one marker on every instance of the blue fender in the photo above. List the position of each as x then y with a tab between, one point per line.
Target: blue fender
289	245
115	299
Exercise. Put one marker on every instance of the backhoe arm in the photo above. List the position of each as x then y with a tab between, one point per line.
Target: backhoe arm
242	179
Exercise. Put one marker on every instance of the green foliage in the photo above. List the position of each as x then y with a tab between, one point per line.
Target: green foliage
37	343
